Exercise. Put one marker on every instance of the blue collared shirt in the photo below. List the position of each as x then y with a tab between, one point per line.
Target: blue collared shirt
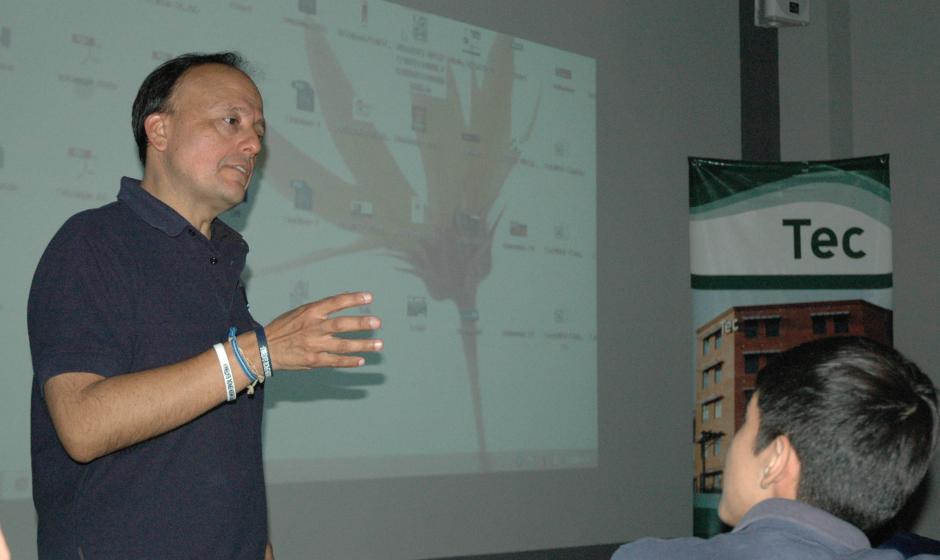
775	529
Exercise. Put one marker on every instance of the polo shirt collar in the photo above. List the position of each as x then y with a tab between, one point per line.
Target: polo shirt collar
151	209
812	519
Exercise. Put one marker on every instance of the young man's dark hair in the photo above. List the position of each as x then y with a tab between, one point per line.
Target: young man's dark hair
837	436
862	419
156	89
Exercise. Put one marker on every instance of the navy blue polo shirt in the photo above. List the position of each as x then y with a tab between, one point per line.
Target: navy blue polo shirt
128	287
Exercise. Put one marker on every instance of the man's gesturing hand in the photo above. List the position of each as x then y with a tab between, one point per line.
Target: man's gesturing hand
305	337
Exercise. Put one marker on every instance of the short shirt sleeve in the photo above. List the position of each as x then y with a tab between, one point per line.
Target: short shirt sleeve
79	313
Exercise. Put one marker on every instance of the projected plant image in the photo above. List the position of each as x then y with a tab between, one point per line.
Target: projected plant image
447	243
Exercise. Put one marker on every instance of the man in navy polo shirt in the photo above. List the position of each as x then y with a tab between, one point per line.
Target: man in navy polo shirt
145	442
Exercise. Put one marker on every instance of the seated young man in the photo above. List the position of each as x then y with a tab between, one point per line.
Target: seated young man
837	436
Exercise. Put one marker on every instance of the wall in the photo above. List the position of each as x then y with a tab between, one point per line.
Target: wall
863	79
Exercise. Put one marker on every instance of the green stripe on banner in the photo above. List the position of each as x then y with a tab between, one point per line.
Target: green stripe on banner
793	282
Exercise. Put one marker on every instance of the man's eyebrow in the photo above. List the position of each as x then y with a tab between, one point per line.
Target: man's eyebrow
239	109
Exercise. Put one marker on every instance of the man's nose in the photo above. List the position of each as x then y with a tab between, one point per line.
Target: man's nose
252	144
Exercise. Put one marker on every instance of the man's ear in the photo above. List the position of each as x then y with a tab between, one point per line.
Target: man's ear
781	474
155	126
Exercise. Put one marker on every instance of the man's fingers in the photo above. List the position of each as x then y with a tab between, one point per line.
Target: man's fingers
335	360
351	324
339	302
309	337
353	345
346	361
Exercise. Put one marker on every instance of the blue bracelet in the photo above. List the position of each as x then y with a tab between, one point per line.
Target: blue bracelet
241	361
265	354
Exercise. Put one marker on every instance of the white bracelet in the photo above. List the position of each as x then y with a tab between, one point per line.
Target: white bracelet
226	371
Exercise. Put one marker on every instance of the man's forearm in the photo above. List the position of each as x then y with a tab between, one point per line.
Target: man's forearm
95	415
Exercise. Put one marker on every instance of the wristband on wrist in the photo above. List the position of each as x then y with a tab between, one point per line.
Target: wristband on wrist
253	378
226	371
265	353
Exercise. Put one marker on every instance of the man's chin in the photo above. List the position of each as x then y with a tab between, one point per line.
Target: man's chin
235	191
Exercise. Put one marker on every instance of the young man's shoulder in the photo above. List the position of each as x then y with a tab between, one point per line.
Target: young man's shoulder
774	529
734	547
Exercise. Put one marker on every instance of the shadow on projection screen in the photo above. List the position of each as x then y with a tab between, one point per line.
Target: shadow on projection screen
446	168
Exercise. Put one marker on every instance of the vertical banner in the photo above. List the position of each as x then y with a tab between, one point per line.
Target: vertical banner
781	253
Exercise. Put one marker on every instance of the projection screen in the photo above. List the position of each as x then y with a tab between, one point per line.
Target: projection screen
447	168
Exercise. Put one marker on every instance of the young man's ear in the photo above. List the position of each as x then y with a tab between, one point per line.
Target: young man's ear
781	473
155	126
